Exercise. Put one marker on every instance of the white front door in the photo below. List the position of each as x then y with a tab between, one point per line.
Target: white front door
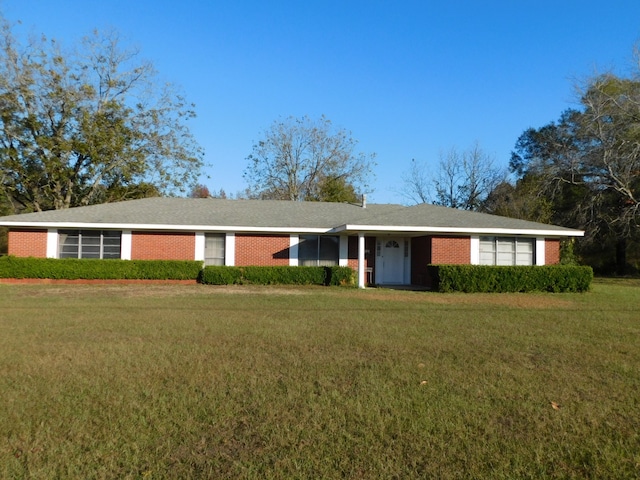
392	260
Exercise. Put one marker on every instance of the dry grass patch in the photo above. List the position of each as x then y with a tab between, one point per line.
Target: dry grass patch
150	290
511	300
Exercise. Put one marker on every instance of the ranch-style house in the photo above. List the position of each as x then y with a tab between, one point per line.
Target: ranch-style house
385	244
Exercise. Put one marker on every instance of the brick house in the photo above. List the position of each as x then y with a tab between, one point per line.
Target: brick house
385	244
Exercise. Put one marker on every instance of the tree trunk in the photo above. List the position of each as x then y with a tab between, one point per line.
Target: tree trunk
621	256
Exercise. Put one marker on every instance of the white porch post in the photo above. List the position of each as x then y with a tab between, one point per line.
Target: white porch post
361	265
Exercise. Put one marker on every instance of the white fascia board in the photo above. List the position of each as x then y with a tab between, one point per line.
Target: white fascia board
294	230
166	227
458	230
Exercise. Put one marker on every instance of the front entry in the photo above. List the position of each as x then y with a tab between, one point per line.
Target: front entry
393	254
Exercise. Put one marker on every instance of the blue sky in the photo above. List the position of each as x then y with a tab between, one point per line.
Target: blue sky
409	79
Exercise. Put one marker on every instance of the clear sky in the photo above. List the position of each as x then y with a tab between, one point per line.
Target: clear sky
409	79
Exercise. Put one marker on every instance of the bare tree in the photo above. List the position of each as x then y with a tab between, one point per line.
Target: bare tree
298	157
417	183
462	180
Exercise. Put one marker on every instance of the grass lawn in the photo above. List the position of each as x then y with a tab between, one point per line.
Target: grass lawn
317	382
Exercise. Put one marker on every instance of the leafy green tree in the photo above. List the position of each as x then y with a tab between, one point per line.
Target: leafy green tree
335	189
588	165
5	209
89	125
520	200
305	159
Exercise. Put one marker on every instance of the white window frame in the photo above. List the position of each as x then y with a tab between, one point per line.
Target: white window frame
52	243
540	251
230	249
294	241
344	251
81	232
513	252
223	240
318	261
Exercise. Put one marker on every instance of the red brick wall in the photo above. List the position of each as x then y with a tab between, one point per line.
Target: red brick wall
163	246
551	251
450	250
28	243
266	250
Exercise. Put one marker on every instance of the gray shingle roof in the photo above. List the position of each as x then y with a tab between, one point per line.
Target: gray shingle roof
443	217
272	214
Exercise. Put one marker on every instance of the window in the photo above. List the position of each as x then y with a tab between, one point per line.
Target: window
507	251
214	248
89	243
318	250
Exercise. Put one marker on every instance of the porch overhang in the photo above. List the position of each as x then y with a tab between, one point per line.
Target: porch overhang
362	231
410	231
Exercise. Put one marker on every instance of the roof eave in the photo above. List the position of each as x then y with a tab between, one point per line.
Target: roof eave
164	227
346	228
457	230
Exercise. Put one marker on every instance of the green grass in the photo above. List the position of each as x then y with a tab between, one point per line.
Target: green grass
315	382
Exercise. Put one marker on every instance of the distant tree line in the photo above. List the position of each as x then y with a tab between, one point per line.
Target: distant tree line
581	171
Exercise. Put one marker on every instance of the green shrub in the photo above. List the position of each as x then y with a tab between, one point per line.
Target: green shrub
95	269
484	278
285	275
219	275
340	276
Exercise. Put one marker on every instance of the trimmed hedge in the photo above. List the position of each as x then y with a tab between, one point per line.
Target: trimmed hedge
219	275
484	278
95	269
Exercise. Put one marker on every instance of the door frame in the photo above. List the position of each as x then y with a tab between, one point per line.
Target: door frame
405	247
